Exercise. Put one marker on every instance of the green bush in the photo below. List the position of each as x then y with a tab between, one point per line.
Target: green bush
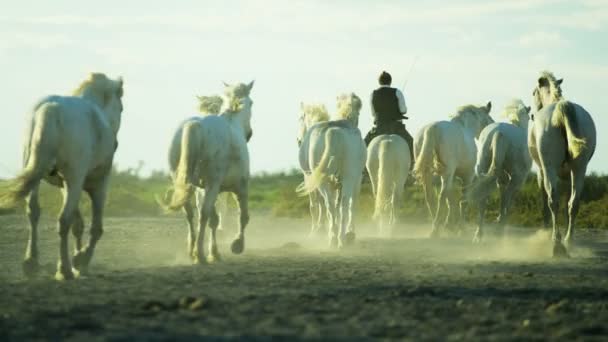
133	195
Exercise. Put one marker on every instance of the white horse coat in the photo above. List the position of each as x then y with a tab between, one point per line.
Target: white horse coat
211	152
334	152
388	164
447	148
70	142
311	114
502	158
561	141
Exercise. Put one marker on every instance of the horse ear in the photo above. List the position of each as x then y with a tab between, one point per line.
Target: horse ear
226	84
250	85
301	105
559	82
489	106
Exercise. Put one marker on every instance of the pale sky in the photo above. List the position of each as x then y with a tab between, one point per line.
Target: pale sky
311	51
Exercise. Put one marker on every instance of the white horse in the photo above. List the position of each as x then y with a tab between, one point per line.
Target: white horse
70	143
210	152
562	141
447	148
502	159
388	164
312	114
334	152
212	105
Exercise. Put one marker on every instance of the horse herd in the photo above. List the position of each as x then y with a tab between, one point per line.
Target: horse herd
71	140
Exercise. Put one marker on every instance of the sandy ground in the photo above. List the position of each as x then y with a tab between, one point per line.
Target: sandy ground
288	286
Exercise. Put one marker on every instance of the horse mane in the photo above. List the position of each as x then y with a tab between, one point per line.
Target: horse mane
349	106
97	87
513	109
314	113
240	90
210	105
465	110
234	96
554	88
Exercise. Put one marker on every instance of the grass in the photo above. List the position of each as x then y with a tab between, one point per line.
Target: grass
274	193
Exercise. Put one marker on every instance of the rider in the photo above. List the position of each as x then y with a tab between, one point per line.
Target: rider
388	109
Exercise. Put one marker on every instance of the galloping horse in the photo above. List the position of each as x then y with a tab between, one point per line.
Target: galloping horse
70	143
388	164
311	114
334	152
210	152
502	158
562	141
447	148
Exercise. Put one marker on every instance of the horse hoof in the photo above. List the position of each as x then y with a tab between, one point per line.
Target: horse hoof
349	238
63	275
30	267
214	258
434	234
81	260
333	242
237	246
559	251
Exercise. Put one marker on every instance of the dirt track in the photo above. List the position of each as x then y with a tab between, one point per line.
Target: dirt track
141	287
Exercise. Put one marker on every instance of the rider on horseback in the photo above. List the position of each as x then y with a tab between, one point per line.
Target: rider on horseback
388	109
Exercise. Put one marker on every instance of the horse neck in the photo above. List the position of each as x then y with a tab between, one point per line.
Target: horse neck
113	118
468	124
523	124
235	120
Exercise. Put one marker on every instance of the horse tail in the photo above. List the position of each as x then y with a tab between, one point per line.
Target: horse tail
485	182
333	149
40	156
386	185
424	160
183	187
564	116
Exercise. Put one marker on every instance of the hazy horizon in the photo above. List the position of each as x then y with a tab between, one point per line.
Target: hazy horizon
297	51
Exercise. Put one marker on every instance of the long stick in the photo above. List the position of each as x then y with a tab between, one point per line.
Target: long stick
409	72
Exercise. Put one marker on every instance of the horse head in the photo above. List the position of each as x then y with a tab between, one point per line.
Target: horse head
210	105
349	106
106	93
310	115
548	90
238	105
475	118
517	113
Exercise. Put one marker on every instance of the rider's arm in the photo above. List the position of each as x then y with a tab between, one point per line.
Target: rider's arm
371	104
401	100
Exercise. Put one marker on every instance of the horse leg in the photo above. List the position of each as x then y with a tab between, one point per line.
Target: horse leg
221	209
330	206
446	187
204	213
480	220
577	179
506	195
544	201
189	211
71	196
83	257
315	212
550	182
429	197
238	244
346	207
77	230
214	221
30	263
